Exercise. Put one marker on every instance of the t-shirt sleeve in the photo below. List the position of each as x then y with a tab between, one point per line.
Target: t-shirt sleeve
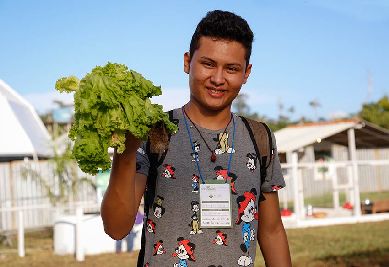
142	160
274	179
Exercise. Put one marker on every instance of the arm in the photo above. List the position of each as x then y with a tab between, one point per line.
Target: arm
271	233
124	193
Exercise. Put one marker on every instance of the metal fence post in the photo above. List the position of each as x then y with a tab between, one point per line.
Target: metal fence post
354	164
80	255
21	251
298	209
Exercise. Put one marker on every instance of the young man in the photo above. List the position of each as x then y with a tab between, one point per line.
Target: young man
206	208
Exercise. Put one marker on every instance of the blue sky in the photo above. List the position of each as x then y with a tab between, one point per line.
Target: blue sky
326	50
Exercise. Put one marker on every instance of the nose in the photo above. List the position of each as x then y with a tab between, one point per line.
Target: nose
217	77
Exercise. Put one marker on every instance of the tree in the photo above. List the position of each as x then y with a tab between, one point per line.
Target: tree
315	104
291	110
280	105
242	108
240	105
65	169
377	112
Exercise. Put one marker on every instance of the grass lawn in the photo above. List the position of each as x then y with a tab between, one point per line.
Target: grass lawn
357	245
326	201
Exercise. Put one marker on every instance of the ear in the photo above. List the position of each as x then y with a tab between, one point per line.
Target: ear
254	191
239	200
247	73
186	62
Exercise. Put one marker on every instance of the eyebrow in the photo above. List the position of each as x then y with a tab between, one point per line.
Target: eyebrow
207	58
213	61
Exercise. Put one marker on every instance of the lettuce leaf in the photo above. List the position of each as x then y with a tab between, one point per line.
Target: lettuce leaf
110	101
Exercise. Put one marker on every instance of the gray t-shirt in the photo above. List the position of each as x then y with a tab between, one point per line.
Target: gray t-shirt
173	236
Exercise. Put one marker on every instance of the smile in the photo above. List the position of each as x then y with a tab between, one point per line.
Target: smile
216	92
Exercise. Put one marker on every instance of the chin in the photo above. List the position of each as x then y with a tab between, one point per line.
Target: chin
211	104
219	107
216	108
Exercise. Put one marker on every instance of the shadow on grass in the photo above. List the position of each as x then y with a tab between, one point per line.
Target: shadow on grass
373	258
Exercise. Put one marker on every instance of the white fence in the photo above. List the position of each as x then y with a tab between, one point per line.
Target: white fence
319	179
20	190
331	180
52	214
304	180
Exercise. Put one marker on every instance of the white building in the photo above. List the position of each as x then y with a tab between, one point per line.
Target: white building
334	158
22	132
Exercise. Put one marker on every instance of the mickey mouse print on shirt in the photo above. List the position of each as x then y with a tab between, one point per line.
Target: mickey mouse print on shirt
169	171
158	248
223	146
195	183
150	226
157	207
195	223
251	162
184	252
247	212
220	239
223	174
275	188
195	154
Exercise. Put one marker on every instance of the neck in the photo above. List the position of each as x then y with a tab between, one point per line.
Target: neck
209	119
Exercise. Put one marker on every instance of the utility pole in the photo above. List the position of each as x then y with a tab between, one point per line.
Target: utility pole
369	86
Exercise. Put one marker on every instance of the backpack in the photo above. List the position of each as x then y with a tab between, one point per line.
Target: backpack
259	134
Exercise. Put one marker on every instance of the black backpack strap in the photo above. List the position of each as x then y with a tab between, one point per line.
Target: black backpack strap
148	199
261	137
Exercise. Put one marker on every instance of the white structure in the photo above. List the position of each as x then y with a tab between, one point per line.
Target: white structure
91	239
298	146
22	135
22	132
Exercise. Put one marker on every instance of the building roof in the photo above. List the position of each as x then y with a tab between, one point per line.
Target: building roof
22	131
367	135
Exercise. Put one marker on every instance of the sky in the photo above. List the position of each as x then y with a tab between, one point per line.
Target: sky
333	52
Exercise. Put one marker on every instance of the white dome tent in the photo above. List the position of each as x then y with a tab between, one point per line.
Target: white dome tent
22	132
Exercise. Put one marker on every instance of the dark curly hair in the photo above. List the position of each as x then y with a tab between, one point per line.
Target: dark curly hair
223	25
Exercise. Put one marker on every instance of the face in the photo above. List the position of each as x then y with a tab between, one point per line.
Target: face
197	147
217	71
181	252
195	178
218	240
150	227
160	250
166	173
195	208
250	164
250	212
158	212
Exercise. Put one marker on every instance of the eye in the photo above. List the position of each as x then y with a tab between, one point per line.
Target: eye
207	64
232	69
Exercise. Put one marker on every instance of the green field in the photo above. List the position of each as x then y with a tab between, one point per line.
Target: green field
326	201
357	245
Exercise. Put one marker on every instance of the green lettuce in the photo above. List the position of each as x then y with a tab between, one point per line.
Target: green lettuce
109	102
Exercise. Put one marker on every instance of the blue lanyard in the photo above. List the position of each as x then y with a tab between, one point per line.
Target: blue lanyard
194	152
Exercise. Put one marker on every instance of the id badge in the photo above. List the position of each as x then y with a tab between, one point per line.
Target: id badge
215	206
